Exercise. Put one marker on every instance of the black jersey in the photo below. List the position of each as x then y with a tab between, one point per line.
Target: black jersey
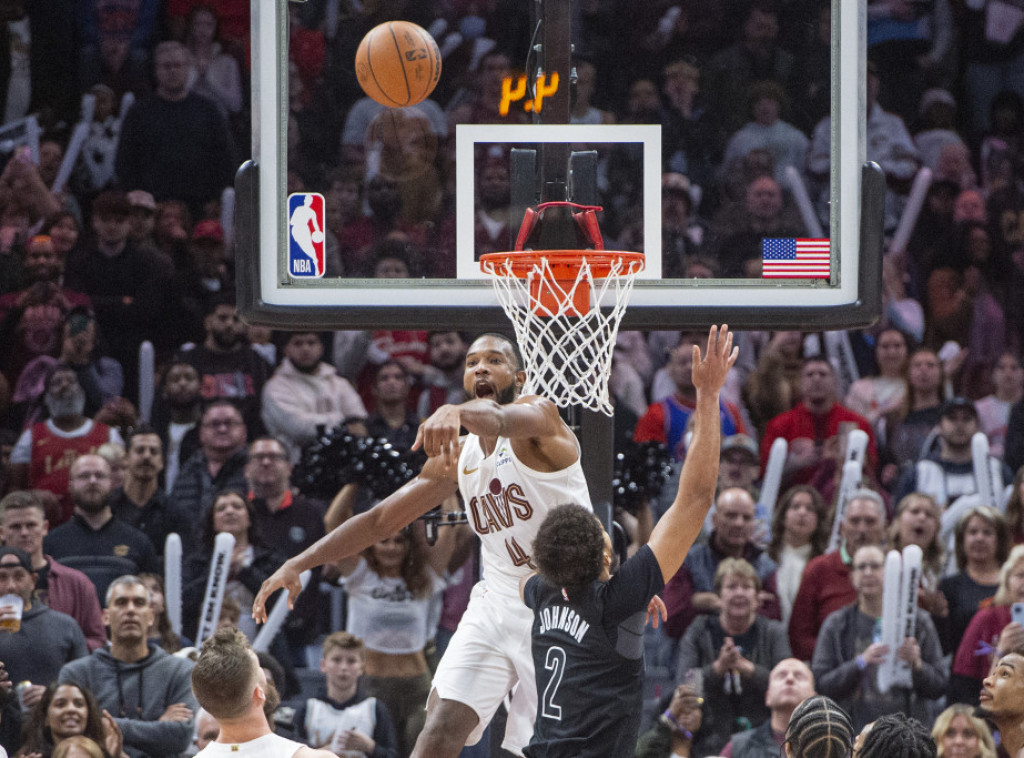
588	656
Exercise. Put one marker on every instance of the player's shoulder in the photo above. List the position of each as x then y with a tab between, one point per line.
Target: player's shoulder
309	752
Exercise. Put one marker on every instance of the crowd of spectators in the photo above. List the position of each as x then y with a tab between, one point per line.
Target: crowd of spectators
135	244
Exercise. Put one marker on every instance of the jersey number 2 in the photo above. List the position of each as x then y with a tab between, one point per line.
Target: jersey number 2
555	663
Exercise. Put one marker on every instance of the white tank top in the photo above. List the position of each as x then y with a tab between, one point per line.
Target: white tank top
267	746
506	502
324	723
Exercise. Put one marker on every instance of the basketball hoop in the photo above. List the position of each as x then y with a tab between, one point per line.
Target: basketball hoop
566	307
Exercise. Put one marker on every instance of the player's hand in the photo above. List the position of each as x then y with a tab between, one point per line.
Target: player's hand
710	371
439	435
287	577
176	712
656	608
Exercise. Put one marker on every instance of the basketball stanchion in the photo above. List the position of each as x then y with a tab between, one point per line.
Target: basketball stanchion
566	307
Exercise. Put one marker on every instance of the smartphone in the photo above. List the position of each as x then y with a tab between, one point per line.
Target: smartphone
1017	613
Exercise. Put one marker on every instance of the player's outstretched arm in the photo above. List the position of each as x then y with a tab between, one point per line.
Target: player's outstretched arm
529	417
433	484
678	528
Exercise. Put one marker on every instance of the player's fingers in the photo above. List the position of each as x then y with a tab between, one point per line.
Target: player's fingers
419	438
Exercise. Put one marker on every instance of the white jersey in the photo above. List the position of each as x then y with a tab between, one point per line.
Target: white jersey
506	502
324	723
267	746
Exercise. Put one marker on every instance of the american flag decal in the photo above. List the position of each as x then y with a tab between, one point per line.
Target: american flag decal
795	258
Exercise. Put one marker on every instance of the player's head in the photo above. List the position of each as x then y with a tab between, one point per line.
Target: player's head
896	735
227	679
819	728
494	369
571	549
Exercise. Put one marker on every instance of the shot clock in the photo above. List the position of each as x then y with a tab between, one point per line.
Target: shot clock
544	88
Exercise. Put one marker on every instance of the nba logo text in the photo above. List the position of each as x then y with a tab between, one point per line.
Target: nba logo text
306	235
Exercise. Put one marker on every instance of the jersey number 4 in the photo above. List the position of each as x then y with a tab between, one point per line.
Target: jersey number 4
555	663
517	554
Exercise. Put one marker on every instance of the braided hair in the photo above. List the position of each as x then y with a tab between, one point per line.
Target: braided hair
896	735
819	729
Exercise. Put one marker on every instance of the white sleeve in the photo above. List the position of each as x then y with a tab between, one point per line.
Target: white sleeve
22	451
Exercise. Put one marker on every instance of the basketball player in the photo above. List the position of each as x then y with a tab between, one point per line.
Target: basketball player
588	627
518	461
230	685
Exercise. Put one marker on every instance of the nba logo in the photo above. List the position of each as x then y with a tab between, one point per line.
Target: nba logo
306	235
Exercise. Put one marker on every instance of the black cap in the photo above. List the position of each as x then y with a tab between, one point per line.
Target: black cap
23	558
958	403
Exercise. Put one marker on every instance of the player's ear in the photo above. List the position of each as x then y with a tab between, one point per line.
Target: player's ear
520	379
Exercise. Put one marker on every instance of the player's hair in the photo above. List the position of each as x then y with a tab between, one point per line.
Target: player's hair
1003	595
516	353
342	641
21	500
819	728
735	567
896	735
569	547
935	552
819	539
992	517
986	746
127	580
223	677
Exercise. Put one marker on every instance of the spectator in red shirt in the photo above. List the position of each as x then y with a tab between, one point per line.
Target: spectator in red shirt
816	430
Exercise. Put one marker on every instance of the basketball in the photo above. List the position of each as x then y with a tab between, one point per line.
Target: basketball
398	64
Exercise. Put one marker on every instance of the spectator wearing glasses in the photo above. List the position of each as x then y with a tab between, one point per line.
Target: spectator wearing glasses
218	464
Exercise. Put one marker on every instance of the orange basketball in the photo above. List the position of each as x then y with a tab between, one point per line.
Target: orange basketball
398	64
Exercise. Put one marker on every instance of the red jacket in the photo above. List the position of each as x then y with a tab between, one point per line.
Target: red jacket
824	587
71	592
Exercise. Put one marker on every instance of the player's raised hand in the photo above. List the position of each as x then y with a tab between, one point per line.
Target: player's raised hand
439	434
709	371
288	578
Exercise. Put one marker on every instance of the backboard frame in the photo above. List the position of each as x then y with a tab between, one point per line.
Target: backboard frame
266	295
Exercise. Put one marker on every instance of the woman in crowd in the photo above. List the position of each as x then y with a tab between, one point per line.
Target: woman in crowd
160	632
64	711
251	561
63	230
875	396
846	656
990	631
902	433
394	600
982	545
217	74
918	522
735	652
1015	508
958	733
800	531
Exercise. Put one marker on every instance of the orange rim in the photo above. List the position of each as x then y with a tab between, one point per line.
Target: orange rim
565	264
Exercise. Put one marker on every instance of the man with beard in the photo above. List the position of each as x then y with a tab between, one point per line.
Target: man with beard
1002	700
93	541
143	687
228	367
45	451
176	419
141	503
31	319
229	683
305	395
518	461
443	377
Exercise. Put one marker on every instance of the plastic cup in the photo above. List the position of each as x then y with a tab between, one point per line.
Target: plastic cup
12	624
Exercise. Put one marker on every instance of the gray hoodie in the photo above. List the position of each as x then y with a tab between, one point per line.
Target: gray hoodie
137	694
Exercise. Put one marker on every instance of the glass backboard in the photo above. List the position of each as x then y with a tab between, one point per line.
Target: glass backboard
450	176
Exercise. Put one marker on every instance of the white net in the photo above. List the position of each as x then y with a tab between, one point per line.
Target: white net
567	346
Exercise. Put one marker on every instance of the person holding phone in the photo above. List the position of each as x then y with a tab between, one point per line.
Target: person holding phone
992	632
